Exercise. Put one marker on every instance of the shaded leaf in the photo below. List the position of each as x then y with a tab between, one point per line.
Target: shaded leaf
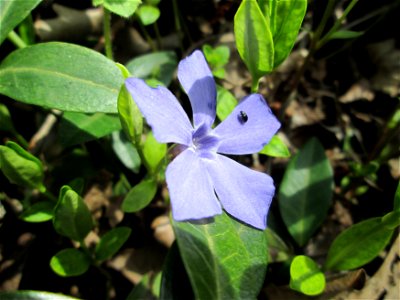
111	242
277	249
224	258
125	151
306	190
306	277
139	196
70	262
12	13
396	201
72	217
6	123
77	128
65	76
345	34
33	295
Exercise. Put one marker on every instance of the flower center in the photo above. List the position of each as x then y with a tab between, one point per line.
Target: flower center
203	142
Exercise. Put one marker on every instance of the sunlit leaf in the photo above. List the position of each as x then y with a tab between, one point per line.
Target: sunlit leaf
148	14
33	295
276	147
70	262
226	103
39	212
65	76
306	277
153	152
123	8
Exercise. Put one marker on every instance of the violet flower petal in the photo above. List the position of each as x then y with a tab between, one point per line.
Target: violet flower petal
162	111
248	128
244	193
190	188
198	82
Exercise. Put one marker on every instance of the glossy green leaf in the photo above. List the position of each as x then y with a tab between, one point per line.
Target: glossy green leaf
396	202
12	13
286	18
159	65
224	258
20	167
306	277
130	116
358	245
148	14
77	128
33	295
345	34
39	212
306	190
217	58
125	151
111	242
139	196
62	76
70	262
72	217
123	8
226	103
153	152
254	39
6	123
391	220
276	147
278	251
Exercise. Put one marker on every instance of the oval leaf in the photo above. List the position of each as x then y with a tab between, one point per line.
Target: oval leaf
111	242
276	147
33	295
224	258
72	217
70	262
148	14
153	152
254	39
123	8
125	151
21	167
306	277
38	212
6	123
139	196
12	13
226	103
345	34
306	191
358	245
65	76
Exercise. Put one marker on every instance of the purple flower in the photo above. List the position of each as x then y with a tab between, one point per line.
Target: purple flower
201	180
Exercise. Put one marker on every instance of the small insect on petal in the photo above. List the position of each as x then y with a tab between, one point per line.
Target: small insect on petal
242	117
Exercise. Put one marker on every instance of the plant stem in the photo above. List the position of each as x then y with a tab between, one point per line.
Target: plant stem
254	85
178	23
107	33
16	39
148	37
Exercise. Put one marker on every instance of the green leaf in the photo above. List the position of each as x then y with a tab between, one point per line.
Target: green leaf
306	190
159	65
64	76
6	123
278	251
33	295
148	14
285	20
226	103
72	217
345	34
20	167
306	277
276	147
391	220
12	13
153	152
358	245
111	242
254	39
396	202
139	196
130	116
38	212
123	8
70	262
77	128
224	258
217	58
126	151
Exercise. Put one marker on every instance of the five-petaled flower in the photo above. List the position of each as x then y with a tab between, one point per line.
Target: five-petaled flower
200	180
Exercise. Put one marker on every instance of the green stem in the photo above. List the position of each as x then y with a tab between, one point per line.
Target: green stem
16	39
107	33
158	36
336	26
178	26
50	196
254	85
148	37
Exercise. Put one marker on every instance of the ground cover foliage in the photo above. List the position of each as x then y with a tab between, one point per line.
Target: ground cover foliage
85	209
